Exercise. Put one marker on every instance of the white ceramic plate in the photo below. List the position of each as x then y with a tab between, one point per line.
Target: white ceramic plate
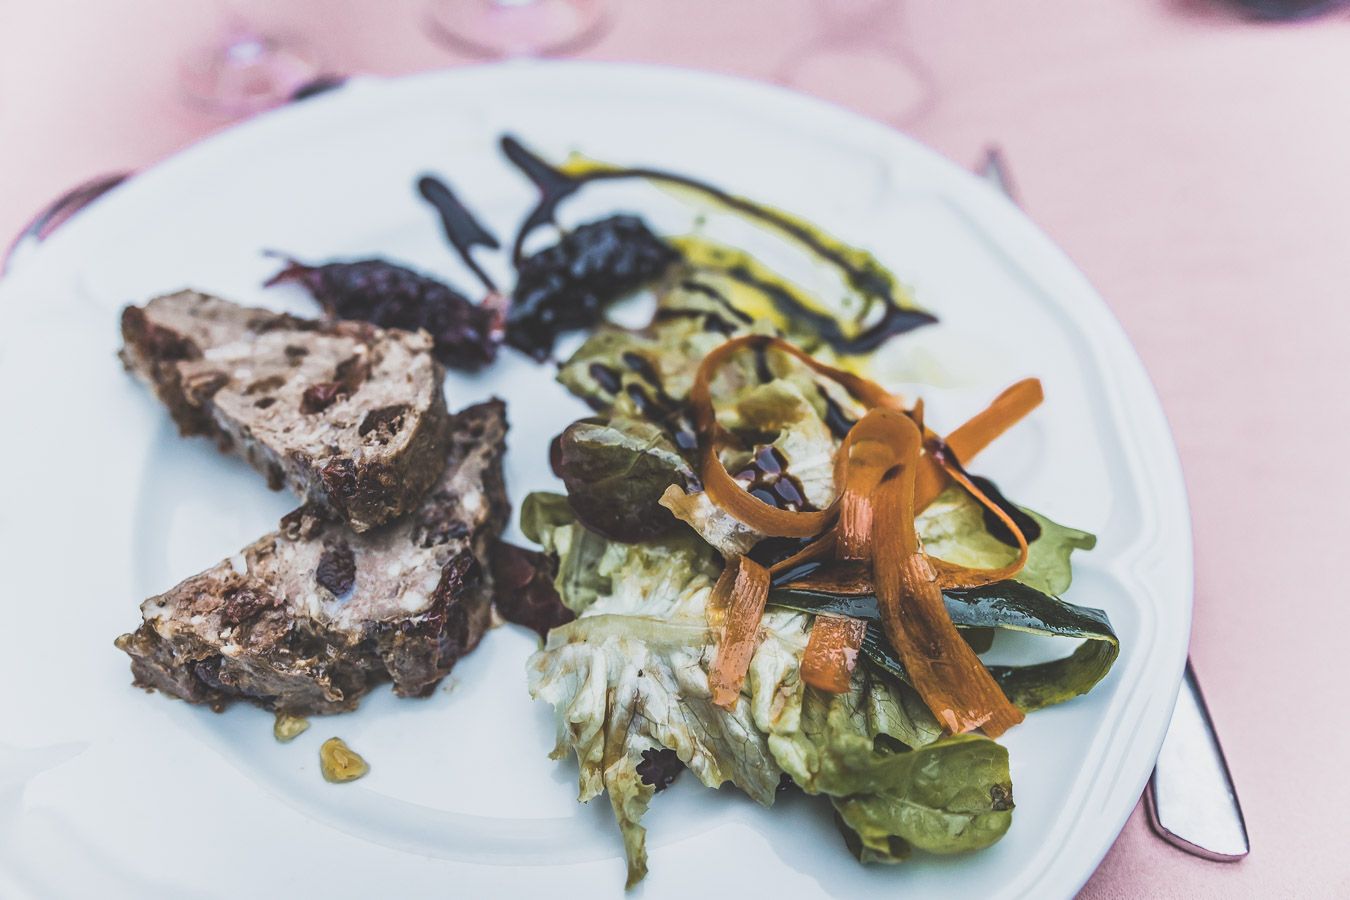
107	791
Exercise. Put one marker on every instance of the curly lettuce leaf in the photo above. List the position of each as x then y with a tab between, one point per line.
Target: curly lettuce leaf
719	529
548	520
614	364
780	411
592	567
630	675
779	414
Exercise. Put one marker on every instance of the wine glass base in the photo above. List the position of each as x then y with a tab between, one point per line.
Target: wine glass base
246	73
507	28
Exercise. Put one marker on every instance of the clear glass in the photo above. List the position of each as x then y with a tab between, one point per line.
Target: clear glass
245	70
507	28
859	59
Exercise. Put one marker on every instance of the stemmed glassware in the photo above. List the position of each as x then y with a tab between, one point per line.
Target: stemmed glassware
245	69
859	58
507	28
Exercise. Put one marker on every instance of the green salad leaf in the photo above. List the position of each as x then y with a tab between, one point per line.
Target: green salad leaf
942	795
616	471
728	534
548	520
952	796
953	528
630	675
616	370
1008	605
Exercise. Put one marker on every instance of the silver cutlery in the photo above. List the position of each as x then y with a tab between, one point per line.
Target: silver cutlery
1191	801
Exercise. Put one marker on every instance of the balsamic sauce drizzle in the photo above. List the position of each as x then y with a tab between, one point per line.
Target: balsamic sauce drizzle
712	321
661	407
555	186
838	423
462	230
895	320
697	287
768	480
657	406
1030	528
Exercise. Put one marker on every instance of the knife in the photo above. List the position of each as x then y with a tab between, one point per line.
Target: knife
1191	801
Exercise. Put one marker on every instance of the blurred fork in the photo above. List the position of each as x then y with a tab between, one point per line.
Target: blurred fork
1191	801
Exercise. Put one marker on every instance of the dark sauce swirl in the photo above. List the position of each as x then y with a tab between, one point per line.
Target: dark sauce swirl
556	185
462	230
1030	528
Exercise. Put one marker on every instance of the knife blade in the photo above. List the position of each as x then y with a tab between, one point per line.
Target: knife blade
1192	803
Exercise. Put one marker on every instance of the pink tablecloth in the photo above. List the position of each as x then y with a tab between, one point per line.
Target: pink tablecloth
1194	166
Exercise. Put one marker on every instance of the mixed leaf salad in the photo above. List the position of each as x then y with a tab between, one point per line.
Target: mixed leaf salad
766	568
780	577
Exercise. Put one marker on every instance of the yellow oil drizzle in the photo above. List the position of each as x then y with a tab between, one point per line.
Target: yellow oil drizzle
717	259
867	281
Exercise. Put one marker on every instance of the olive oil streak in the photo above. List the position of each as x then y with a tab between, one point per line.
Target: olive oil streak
862	272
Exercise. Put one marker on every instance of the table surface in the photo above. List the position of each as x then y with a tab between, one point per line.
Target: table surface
1192	164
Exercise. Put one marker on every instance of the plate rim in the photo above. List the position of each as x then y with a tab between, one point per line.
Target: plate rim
1126	377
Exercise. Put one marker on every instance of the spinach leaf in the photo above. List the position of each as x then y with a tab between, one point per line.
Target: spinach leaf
946	795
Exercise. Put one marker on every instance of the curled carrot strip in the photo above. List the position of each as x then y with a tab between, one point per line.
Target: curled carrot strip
867	453
947	674
739	598
885	478
1007	410
832	652
978	432
951	575
724	490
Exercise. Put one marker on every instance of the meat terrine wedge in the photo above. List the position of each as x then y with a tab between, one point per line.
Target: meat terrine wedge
351	417
309	618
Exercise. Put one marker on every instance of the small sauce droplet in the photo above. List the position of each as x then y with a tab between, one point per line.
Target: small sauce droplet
607	378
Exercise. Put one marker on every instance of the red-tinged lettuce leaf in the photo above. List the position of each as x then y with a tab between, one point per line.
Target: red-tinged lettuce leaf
523	591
